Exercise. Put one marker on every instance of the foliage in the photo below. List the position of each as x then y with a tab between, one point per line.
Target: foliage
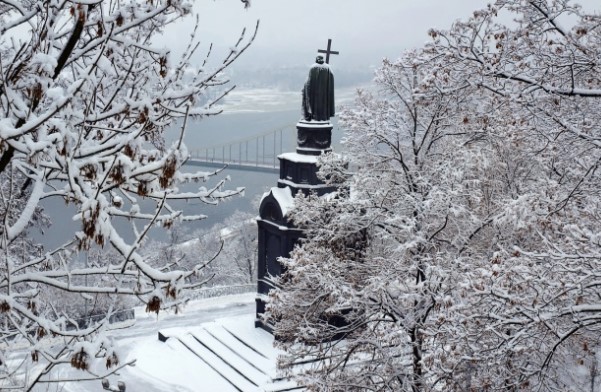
465	254
230	248
85	98
234	244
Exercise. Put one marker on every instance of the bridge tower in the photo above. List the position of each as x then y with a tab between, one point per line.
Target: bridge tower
298	173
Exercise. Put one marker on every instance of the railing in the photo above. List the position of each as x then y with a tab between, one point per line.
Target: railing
115	317
221	291
129	314
255	151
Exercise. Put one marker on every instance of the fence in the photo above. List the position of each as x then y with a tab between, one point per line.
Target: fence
205	293
116	317
255	151
220	291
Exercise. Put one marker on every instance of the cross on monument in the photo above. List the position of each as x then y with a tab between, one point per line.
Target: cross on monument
328	51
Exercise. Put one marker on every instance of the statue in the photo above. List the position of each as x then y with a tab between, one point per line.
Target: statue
318	93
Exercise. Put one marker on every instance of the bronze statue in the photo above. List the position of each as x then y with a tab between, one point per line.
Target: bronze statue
318	93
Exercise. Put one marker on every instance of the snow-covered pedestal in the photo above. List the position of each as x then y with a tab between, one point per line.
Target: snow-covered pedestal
298	170
298	173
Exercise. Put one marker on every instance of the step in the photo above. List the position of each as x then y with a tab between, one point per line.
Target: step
238	382
217	384
258	340
243	348
234	359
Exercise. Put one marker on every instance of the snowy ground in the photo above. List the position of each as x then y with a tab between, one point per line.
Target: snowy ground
212	346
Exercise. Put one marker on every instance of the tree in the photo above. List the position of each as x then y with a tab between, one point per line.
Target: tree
234	246
240	248
475	206
543	299
85	99
381	263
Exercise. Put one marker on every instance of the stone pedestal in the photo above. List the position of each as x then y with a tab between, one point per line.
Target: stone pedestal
298	173
298	170
313	137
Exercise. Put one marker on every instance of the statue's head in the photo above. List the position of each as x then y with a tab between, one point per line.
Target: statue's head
319	60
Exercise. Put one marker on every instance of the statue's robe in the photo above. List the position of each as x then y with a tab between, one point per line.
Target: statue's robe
318	94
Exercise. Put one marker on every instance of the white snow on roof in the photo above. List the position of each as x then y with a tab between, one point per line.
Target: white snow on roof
284	198
311	149
298	158
304	186
314	124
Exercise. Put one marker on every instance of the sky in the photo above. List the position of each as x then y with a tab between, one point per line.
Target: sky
291	31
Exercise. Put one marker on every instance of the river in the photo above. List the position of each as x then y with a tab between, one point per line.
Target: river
206	133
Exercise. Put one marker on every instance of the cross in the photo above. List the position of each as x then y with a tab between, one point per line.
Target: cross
328	51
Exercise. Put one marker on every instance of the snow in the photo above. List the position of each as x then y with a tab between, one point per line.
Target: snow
28	211
314	124
298	158
303	186
231	349
323	65
284	198
45	62
279	227
55	93
310	149
177	367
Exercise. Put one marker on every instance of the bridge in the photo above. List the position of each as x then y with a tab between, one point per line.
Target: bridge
254	153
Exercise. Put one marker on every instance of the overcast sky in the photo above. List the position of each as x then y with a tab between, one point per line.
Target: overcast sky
291	31
364	31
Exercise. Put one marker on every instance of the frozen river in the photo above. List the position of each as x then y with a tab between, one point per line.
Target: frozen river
204	134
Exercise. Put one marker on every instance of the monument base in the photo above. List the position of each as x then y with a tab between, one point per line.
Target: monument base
314	137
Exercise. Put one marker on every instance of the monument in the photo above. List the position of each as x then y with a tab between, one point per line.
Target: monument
298	173
318	93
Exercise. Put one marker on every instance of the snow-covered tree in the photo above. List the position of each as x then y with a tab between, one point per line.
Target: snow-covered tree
234	246
85	96
386	253
541	293
240	247
474	207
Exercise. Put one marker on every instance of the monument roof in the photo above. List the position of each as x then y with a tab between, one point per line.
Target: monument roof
284	198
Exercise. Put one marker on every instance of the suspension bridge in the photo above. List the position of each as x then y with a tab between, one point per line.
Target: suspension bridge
254	153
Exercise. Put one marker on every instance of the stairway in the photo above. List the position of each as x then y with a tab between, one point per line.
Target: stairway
241	356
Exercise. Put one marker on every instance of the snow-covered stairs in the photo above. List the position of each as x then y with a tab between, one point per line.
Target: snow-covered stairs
240	355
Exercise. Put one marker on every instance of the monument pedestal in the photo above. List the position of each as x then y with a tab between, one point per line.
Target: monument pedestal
298	173
314	137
